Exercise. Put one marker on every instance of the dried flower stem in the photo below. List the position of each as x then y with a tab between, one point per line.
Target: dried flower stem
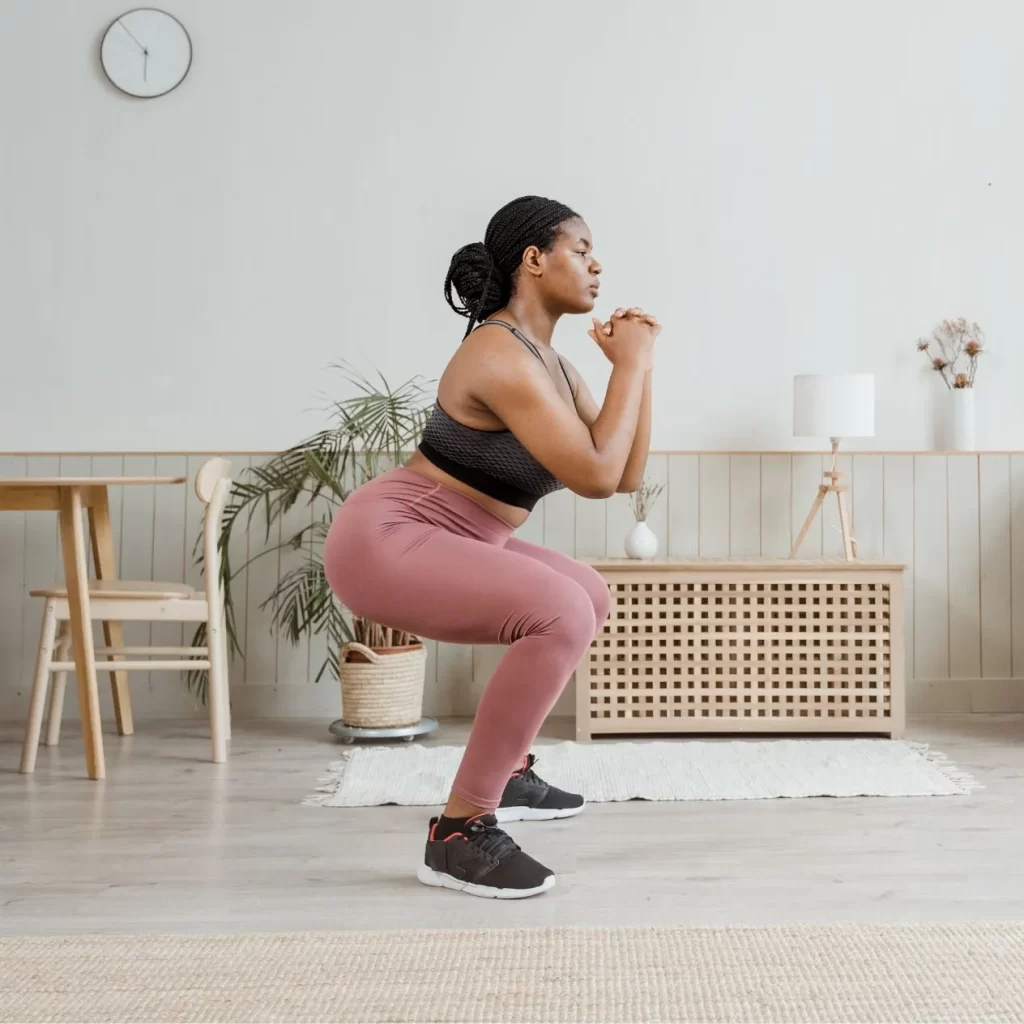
643	498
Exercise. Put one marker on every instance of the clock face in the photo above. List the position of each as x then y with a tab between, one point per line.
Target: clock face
146	52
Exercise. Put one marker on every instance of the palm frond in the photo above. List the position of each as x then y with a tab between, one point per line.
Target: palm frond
371	431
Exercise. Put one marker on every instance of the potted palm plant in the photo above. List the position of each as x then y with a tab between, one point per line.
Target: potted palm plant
381	670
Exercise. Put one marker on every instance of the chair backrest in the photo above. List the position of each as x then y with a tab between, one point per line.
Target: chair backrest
206	478
213	486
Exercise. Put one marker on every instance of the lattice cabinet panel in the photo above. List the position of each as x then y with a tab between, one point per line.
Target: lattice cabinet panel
746	646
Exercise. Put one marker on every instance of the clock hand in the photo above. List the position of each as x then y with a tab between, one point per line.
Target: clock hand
145	65
137	43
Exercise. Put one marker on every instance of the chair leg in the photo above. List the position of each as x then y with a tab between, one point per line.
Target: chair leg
226	676
215	699
44	655
56	712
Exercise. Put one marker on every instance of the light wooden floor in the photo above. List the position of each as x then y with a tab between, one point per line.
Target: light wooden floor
173	843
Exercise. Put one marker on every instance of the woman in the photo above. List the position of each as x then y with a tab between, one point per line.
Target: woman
428	547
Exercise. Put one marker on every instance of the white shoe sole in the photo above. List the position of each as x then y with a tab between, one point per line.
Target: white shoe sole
430	877
536	813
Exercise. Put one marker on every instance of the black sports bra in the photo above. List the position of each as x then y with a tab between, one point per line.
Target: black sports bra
490	461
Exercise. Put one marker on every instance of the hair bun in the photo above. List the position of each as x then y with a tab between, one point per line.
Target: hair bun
481	285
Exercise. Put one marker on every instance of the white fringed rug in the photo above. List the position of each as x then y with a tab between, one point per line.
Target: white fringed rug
414	775
959	973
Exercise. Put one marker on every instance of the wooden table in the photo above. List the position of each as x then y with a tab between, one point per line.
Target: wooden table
68	496
746	645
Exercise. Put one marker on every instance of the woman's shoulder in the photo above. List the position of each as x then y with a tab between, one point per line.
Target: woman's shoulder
492	341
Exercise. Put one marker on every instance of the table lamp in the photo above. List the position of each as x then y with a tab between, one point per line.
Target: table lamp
833	406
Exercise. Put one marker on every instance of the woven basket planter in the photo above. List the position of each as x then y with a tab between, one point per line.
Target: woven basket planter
383	688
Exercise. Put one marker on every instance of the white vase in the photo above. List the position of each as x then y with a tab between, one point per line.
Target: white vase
641	542
961	420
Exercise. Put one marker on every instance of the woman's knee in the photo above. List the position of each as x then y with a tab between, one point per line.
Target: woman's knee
571	615
600	597
562	612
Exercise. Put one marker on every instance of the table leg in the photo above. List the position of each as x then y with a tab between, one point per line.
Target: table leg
72	542
102	537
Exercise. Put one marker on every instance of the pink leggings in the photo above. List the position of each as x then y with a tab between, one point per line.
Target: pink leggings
409	553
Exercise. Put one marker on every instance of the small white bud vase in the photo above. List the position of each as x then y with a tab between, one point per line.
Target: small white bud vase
961	420
641	542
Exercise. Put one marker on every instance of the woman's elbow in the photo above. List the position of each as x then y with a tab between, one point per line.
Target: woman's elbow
593	485
595	481
595	490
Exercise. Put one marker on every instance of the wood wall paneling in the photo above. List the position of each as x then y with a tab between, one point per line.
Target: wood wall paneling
956	520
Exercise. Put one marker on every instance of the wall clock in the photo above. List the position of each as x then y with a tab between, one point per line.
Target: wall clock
146	52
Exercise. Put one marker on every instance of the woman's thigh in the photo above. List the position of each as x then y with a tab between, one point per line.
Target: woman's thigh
586	576
436	584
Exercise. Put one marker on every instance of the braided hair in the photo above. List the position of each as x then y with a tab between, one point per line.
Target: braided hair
482	273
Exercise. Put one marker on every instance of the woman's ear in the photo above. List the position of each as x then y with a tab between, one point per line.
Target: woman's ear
533	261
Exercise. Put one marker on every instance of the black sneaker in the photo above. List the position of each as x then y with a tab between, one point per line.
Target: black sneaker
528	797
482	861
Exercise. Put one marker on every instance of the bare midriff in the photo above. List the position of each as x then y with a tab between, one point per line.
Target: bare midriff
511	514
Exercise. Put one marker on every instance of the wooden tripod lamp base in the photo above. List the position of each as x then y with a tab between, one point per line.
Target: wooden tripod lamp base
834	406
833	476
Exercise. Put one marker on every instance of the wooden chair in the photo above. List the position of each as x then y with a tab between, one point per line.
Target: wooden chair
122	600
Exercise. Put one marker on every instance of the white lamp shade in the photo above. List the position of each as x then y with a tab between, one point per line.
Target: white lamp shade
834	405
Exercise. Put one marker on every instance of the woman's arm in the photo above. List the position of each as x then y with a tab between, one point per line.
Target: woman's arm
636	461
633	474
588	457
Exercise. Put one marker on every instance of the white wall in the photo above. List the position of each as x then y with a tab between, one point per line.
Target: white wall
793	186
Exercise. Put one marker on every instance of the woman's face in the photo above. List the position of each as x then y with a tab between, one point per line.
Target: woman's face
568	275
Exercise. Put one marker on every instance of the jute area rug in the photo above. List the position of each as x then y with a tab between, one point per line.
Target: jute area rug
962	973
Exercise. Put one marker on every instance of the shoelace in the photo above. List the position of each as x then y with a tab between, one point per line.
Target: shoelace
527	774
490	839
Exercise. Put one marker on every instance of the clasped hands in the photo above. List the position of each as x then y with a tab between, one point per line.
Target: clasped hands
631	313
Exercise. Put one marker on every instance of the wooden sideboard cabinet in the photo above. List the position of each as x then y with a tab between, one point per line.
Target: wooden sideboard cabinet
751	645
